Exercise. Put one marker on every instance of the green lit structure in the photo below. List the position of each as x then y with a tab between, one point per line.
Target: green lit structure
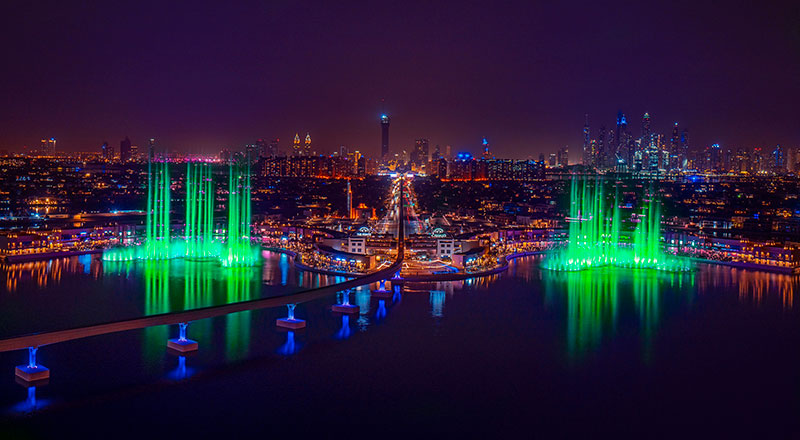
199	242
239	251
200	197
597	235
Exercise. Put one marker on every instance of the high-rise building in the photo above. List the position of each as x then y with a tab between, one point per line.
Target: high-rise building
684	150
307	145
624	149
48	147
437	153
125	150
486	153
562	158
151	150
385	137
646	126
105	151
297	148
778	160
603	157
589	156
419	155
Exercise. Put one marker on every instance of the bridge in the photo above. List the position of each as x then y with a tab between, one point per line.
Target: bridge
33	372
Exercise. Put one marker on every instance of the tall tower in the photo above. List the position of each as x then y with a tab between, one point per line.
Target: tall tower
486	153
151	150
385	137
349	200
587	150
105	151
125	150
307	145
623	138
297	149
603	159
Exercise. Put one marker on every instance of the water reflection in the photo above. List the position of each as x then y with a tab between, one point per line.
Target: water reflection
753	287
237	333
344	332
595	298
291	346
181	372
436	299
156	301
380	313
30	404
49	272
363	297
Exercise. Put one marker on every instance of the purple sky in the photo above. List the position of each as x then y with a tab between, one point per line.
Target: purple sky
199	77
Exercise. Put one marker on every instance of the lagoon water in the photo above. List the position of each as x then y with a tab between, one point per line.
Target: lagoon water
627	352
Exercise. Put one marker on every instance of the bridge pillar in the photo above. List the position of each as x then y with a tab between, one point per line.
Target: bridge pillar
397	279
182	344
382	292
290	321
32	372
345	306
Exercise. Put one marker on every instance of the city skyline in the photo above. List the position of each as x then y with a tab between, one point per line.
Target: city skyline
511	74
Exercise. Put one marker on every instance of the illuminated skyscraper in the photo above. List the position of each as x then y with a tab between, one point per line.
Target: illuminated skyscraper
297	148
562	158
307	145
419	156
385	137
646	126
589	156
125	150
151	150
603	158
624	147
778	160
48	147
486	153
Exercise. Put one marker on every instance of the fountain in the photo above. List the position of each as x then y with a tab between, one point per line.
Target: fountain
239	250
198	240
596	237
200	197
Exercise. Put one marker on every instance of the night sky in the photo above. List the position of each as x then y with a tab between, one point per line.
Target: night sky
200	77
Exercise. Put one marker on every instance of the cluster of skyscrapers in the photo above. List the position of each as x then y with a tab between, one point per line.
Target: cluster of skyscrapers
619	149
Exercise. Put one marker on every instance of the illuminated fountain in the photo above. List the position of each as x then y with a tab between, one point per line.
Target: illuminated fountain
157	245
200	197
198	241
596	236
239	251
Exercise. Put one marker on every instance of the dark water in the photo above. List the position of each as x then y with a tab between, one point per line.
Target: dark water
529	352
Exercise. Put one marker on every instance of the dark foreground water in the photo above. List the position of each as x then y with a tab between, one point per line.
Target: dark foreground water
713	352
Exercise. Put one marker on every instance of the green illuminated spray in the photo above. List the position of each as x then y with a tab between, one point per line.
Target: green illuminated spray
239	250
596	236
200	197
157	244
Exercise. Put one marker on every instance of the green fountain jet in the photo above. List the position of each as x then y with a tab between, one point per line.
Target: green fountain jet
596	236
